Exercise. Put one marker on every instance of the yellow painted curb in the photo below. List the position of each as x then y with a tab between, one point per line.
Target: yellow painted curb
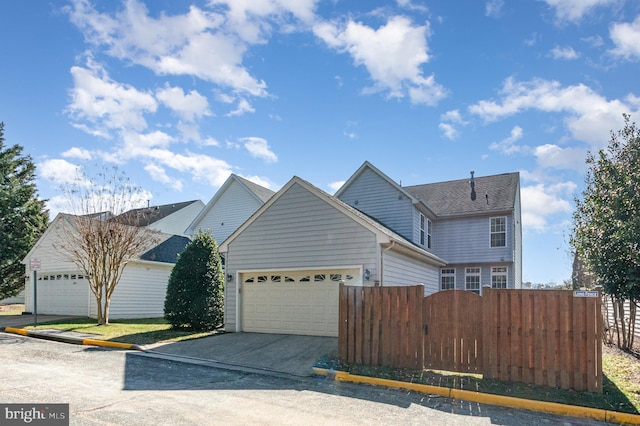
484	398
13	330
118	345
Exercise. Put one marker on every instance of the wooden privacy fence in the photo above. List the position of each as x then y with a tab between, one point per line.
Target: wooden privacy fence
544	337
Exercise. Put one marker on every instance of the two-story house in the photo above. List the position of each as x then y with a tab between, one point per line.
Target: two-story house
284	264
474	224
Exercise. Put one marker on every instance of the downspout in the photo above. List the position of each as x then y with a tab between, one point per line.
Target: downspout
393	243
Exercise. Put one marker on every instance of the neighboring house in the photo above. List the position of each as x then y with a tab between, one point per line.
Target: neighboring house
233	203
284	264
169	218
473	224
62	288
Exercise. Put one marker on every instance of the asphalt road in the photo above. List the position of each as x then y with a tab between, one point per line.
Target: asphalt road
112	387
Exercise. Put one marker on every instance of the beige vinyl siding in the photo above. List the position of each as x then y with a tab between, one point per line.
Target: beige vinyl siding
230	210
177	223
466	240
140	292
376	197
400	270
299	230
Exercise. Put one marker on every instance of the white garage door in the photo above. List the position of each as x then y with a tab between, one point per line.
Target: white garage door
63	294
293	302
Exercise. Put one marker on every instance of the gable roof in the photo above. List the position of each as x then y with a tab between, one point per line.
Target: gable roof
166	249
260	193
355	214
496	193
147	215
401	190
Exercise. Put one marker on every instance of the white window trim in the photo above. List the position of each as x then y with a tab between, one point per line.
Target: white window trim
448	274
491	232
473	274
429	231
422	237
496	274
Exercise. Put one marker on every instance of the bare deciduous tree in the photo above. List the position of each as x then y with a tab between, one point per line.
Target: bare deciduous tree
98	237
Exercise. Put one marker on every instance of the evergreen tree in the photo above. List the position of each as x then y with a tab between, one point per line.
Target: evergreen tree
23	217
195	293
606	224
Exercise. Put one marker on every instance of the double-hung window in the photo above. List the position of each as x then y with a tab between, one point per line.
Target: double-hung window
447	279
498	232
425	231
472	279
499	277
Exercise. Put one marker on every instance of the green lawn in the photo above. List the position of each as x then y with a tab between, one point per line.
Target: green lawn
135	331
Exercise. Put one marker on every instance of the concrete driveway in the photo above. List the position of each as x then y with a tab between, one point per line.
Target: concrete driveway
281	353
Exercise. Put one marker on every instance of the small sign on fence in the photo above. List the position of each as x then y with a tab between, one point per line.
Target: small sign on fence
583	293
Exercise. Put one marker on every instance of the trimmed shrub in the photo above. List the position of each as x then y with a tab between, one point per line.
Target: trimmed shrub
195	293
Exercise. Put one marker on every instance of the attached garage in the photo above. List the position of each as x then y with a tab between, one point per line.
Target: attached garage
284	264
63	293
293	302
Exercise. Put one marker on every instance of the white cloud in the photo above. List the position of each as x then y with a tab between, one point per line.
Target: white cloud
553	156
61	172
79	153
243	107
393	55
589	117
193	44
249	19
493	8
626	37
448	130
189	107
566	53
189	131
105	104
259	148
159	174
507	145
447	121
137	145
541	201
334	186
575	10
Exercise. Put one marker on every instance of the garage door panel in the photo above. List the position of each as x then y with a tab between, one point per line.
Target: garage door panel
299	302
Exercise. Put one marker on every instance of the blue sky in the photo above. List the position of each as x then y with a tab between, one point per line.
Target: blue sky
179	95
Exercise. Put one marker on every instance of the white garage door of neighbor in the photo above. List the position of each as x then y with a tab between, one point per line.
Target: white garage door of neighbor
63	294
293	302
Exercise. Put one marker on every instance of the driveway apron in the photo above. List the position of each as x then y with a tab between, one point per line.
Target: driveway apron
280	353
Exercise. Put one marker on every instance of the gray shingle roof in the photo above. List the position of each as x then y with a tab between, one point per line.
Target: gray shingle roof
148	215
260	191
493	193
168	250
